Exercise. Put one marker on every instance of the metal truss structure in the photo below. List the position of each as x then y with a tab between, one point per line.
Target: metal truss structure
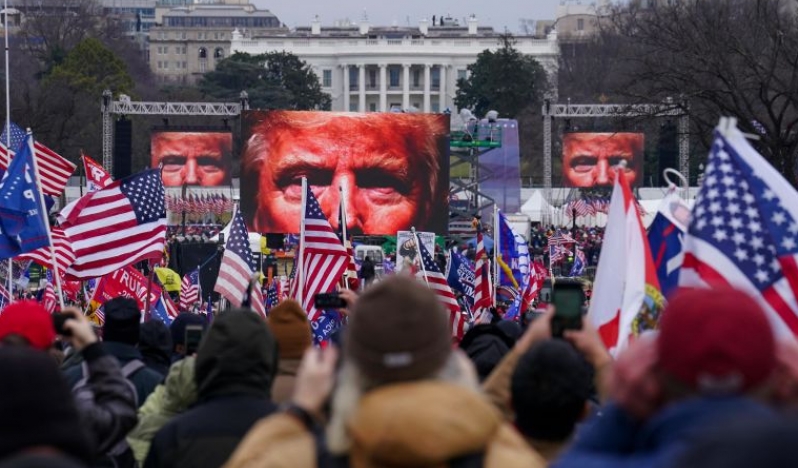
566	111
466	148
124	106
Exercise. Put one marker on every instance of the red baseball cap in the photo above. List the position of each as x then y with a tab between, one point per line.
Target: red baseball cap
29	320
716	341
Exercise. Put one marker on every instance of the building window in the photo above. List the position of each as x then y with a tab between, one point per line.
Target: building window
394	77
372	78
203	66
352	106
326	78
183	35
218	54
203	53
435	76
416	78
462	75
373	107
580	24
354	76
436	107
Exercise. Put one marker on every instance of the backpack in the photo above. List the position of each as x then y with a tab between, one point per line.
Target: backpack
120	455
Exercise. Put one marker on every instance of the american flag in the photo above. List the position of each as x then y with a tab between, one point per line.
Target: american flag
438	284
64	254
238	268
557	253
324	259
743	231
50	299
560	237
272	296
483	290
54	170
119	225
190	290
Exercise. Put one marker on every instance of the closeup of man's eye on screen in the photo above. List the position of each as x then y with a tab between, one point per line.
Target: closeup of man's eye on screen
193	158
392	167
591	159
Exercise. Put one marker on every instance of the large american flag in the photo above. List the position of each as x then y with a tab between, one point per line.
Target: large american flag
324	258
483	289
238	268
64	254
119	225
49	299
560	237
189	290
743	231
438	284
54	169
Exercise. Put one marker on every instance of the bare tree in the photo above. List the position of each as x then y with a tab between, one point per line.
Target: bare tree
716	58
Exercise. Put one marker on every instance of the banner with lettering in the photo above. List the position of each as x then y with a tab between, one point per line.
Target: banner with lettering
125	282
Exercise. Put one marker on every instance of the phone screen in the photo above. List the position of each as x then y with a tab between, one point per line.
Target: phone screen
568	302
193	338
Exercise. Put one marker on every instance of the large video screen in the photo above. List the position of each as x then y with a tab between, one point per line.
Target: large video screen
192	158
588	158
394	167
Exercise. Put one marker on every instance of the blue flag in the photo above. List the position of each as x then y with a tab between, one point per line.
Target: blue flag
21	212
665	239
514	252
578	268
159	312
324	326
460	276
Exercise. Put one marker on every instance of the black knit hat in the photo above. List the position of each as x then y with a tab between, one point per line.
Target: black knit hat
399	331
36	406
122	321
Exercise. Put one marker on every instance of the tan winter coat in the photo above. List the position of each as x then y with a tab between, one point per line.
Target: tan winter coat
420	424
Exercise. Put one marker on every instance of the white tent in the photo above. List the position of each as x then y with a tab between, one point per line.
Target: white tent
537	208
254	238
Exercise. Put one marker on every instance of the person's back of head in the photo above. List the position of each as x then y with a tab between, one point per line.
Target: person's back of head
398	331
27	323
550	388
237	355
290	327
486	345
37	410
714	342
122	321
178	330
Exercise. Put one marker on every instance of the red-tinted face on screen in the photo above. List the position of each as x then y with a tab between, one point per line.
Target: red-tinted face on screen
193	158
588	158
389	167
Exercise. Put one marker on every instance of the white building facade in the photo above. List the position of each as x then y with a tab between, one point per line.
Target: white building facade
368	69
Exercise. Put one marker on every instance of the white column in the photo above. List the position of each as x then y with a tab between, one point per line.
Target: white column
383	88
361	105
405	86
442	102
427	87
345	67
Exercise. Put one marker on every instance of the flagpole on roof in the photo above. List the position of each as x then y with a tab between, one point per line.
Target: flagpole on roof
418	249
46	217
300	265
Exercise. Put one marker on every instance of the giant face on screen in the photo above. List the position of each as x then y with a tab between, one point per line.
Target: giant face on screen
193	158
394	169
588	159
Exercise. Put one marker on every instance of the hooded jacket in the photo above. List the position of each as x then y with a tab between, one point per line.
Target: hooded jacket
168	400
419	424
234	371
614	440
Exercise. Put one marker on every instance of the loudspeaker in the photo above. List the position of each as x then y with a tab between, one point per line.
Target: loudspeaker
123	148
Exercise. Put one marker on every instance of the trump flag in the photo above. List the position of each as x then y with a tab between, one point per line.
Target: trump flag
626	295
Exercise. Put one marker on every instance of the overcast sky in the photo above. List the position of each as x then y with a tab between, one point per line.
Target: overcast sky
496	13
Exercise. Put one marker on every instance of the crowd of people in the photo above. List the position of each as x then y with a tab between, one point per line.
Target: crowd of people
714	387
